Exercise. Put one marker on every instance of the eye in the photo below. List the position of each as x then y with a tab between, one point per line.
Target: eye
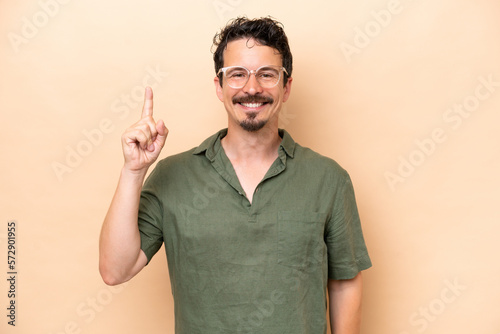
268	74
237	73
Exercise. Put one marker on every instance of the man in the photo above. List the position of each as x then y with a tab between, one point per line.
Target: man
256	227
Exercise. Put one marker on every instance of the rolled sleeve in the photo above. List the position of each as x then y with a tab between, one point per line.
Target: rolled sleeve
347	252
149	218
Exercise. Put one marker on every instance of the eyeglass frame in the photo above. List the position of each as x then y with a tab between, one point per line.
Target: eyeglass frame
250	72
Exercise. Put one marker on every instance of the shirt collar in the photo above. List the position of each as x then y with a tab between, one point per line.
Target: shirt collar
212	144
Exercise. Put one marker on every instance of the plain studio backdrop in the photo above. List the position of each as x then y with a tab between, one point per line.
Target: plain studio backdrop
404	94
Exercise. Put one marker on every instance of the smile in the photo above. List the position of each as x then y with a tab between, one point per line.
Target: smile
252	105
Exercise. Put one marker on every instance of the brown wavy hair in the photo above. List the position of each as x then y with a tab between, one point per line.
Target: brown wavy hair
266	31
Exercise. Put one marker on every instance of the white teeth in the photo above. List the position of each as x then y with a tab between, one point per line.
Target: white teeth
252	105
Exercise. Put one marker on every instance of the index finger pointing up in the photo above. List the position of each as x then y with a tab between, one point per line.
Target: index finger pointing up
147	109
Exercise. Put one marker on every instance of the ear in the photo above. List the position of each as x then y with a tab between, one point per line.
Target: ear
287	89
218	89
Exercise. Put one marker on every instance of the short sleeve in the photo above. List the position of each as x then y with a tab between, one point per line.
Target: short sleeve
150	216
347	252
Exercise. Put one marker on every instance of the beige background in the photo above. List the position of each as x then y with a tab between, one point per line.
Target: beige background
378	93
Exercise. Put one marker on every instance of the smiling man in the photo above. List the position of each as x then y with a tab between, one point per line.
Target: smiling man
259	231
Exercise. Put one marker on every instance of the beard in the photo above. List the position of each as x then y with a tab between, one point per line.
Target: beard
251	124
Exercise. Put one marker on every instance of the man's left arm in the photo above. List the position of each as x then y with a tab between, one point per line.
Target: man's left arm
345	305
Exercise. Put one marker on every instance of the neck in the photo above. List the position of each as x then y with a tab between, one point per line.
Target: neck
241	145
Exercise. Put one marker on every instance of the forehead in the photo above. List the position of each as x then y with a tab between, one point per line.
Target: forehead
249	53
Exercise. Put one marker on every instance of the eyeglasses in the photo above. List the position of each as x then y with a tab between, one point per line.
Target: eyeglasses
267	76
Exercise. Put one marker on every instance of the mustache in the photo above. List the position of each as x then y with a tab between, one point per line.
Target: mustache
252	99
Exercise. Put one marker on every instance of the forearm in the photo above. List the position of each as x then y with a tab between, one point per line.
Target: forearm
345	305
120	244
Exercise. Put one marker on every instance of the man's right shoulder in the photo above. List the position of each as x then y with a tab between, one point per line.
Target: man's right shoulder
176	169
192	159
179	160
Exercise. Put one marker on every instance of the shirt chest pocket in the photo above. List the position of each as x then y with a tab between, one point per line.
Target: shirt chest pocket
300	238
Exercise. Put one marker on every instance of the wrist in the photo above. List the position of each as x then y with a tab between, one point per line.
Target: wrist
134	174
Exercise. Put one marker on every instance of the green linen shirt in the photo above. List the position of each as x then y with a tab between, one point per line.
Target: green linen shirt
260	267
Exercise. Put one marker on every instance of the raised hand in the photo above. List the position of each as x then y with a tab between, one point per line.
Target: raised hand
143	141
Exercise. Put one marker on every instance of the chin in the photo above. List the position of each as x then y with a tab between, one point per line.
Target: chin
252	125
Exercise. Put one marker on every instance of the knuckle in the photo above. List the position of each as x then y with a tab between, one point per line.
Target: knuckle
144	128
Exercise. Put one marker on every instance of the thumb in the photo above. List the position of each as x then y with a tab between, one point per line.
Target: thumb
162	133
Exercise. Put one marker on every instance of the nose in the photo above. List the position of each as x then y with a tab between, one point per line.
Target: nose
252	86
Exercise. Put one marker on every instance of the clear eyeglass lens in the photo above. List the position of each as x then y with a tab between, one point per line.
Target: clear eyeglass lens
237	77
